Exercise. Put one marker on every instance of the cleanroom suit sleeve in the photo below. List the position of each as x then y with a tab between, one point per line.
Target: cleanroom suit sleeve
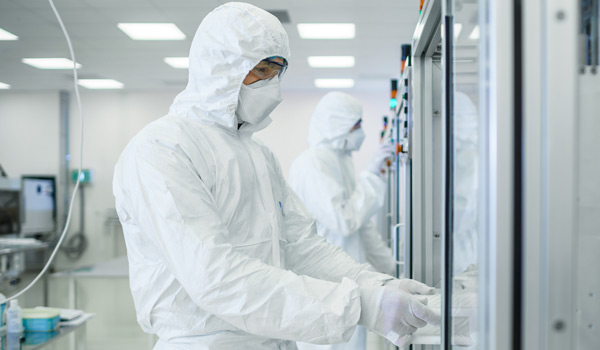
310	254
333	206
378	253
176	209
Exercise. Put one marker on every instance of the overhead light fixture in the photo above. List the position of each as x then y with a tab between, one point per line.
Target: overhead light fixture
334	83
100	83
4	86
331	61
152	31
457	30
474	34
5	35
326	30
178	62
50	63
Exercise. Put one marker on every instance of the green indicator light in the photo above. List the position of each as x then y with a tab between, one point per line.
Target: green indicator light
393	103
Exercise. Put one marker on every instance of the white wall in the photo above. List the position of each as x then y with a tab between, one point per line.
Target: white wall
29	143
111	119
287	134
29	127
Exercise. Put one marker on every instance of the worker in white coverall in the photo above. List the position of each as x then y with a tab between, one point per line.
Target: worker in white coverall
222	253
323	177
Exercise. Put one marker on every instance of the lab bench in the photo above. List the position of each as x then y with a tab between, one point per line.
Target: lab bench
42	340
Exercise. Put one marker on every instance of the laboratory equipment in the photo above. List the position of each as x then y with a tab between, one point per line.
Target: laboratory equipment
2	172
38	204
64	231
10	206
41	320
2	309
77	242
14	317
488	189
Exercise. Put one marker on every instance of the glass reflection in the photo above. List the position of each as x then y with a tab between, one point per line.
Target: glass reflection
466	174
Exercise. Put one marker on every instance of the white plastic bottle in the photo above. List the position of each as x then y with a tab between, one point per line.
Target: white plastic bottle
14	318
2	310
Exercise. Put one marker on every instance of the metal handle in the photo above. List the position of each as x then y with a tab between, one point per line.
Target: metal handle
396	246
403	264
447	236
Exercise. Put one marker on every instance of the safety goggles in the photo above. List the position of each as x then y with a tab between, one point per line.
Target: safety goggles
356	126
267	68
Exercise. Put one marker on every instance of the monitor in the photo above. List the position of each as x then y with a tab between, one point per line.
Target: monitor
38	200
10	206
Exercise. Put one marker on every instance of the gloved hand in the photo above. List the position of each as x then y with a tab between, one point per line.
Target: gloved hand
385	151
394	314
410	286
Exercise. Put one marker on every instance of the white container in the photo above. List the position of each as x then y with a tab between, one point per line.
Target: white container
14	318
2	309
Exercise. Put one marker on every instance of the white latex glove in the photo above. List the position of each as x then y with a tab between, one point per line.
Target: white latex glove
385	151
393	314
410	286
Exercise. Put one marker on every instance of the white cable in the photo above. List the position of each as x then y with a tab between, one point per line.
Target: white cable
67	223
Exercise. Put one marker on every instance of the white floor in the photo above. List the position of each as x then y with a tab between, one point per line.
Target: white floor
114	326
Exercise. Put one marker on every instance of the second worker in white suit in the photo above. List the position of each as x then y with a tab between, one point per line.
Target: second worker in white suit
323	177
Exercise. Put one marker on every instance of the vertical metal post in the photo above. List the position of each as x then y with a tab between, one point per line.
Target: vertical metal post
518	197
45	281
535	179
408	237
562	110
595	52
395	215
448	172
65	157
498	233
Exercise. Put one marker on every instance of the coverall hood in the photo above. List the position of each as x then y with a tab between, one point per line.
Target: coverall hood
335	114
229	42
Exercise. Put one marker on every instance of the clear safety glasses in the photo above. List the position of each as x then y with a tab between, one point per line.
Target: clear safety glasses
356	126
267	68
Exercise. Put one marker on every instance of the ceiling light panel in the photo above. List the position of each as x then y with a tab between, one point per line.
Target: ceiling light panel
327	30
152	31
457	30
474	34
4	35
4	86
334	83
100	83
331	61
178	62
50	63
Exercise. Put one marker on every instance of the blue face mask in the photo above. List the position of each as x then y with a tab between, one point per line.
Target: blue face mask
256	101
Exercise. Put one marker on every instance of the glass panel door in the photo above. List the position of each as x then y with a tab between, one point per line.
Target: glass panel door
462	118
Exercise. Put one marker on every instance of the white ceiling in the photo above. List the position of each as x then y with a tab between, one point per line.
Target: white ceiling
106	52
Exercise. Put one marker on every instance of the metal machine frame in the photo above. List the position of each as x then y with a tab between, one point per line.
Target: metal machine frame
538	167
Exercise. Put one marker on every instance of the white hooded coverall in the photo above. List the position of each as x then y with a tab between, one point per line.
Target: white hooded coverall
222	254
323	177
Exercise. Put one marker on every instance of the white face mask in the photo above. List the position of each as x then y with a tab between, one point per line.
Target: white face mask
354	140
256	101
349	142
